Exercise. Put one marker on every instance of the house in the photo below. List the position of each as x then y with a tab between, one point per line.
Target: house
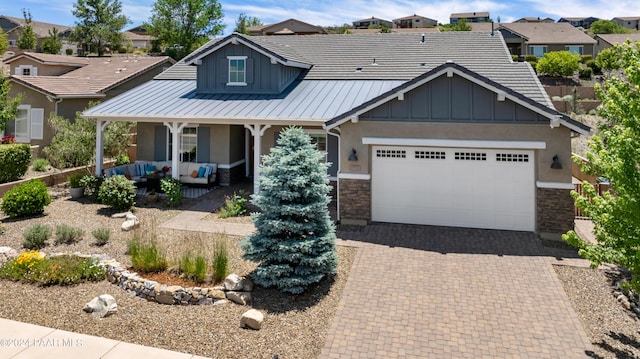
63	85
540	38
631	22
481	16
414	21
583	22
535	19
605	41
439	136
372	22
12	27
287	27
137	41
416	30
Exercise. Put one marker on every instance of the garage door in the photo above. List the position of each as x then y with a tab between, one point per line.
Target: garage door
460	187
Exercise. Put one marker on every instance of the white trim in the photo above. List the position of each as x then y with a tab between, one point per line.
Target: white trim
244	72
232	165
433	142
333	179
555	185
358	176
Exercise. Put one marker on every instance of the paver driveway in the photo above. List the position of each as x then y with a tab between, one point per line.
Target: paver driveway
439	292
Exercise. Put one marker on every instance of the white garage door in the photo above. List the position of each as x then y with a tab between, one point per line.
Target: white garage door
460	187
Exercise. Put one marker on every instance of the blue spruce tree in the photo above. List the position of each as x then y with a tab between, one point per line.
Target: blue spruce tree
294	244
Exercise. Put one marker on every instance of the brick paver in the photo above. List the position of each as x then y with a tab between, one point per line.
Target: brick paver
437	292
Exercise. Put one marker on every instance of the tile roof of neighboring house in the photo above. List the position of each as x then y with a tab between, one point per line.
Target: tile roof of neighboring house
627	18
619	38
128	35
50	59
371	18
412	17
533	19
549	33
396	30
40	28
260	28
466	15
93	79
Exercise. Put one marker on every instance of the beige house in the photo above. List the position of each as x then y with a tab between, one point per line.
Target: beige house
535	20
12	26
137	41
605	41
287	27
480	16
540	38
63	85
630	22
371	22
414	21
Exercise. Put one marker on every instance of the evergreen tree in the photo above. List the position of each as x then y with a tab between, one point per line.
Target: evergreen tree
52	44
294	244
27	39
99	24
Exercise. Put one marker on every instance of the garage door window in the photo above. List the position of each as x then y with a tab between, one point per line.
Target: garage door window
512	157
470	156
391	153
430	155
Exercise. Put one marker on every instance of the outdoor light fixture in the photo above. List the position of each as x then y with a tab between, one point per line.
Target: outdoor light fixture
354	155
556	165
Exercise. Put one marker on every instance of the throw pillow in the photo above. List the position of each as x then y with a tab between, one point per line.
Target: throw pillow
194	174
201	172
128	176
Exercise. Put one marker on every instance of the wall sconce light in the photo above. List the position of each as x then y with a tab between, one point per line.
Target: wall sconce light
353	156
556	165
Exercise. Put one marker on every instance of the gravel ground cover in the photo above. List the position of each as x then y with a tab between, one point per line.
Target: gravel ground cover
294	327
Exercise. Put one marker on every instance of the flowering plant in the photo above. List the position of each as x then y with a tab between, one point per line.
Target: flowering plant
8	140
29	259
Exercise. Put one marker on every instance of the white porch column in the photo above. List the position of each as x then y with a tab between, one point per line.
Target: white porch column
257	131
100	126
175	128
247	154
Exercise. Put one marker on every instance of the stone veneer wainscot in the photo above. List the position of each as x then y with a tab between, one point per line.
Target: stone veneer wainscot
355	199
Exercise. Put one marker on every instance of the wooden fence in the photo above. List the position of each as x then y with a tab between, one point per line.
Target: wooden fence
600	188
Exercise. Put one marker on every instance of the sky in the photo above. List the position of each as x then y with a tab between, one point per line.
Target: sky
338	12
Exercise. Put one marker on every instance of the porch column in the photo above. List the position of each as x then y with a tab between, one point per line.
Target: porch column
100	126
247	154
257	131
175	128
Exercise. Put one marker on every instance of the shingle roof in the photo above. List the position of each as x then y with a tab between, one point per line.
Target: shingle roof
466	15
412	17
549	33
628	18
51	59
619	38
99	75
40	28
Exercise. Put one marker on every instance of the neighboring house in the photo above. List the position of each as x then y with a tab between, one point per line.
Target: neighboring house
137	41
632	22
605	41
452	133
62	85
414	21
418	30
12	26
371	22
540	38
287	27
583	22
481	16
535	19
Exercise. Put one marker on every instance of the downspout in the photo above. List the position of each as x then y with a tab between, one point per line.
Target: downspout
56	102
337	173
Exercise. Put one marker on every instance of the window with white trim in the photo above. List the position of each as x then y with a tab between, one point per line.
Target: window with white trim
26	70
319	139
19	128
575	49
237	71
188	139
538	51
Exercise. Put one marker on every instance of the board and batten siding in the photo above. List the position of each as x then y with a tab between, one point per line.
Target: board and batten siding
263	77
452	100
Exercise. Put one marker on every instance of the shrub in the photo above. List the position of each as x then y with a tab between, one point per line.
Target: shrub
586	58
67	234
594	67
193	268
122	159
36	236
68	51
74	181
558	63
220	260
31	267
146	255
530	58
172	188
515	58
585	73
91	185
235	205
26	199
101	235
14	161
118	192
40	164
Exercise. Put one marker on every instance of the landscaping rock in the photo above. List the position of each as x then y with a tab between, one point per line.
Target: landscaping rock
241	298
252	318
120	215
7	253
102	306
221	302
216	294
132	222
233	282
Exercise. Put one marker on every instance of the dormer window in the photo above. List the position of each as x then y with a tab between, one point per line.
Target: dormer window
26	72
237	71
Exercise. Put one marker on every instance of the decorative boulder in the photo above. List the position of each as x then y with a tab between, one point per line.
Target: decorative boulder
7	253
233	282
120	215
102	306
252	318
241	298
131	222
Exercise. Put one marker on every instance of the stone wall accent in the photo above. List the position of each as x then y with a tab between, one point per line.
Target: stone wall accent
224	176
229	176
355	199
555	210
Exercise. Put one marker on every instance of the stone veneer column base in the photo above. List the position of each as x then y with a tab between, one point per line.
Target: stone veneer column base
355	201
555	212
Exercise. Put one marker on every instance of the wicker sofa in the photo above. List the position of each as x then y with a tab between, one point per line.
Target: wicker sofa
190	173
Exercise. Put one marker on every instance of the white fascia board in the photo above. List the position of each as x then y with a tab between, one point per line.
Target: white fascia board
436	142
555	185
356	176
575	128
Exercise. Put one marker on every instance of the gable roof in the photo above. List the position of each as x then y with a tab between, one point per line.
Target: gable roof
41	29
613	39
414	16
99	75
627	18
548	33
371	18
452	68
50	59
467	15
285	29
534	19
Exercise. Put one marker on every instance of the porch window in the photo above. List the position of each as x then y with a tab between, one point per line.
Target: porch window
538	51
237	70
319	139
188	145
575	49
